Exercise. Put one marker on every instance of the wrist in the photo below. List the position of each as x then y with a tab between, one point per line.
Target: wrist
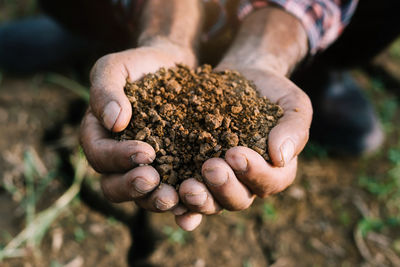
172	26
269	39
255	61
181	53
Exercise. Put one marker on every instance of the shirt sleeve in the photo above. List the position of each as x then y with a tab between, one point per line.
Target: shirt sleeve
323	20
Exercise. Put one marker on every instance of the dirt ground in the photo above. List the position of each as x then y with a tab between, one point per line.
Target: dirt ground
339	212
328	217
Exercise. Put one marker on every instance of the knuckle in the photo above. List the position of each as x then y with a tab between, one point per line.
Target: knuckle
83	130
90	150
98	66
98	168
81	140
95	164
107	192
93	159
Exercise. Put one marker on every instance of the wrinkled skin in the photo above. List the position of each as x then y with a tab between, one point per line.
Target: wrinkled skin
230	183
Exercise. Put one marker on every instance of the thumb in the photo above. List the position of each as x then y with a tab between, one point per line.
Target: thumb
107	97
288	138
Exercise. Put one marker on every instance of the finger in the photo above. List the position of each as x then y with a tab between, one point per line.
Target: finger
259	176
288	138
179	210
197	198
224	186
108	77
188	221
132	185
107	155
107	98
164	198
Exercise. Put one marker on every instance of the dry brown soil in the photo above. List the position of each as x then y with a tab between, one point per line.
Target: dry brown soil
189	116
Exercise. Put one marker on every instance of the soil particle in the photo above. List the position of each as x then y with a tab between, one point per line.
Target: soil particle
189	116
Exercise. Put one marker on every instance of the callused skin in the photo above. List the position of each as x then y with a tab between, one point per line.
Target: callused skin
269	45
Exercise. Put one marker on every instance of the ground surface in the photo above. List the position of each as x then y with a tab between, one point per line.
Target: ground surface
339	212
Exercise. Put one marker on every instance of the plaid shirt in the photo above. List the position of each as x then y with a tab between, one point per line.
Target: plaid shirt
324	20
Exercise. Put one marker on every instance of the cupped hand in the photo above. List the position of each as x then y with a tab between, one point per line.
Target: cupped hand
124	176
233	182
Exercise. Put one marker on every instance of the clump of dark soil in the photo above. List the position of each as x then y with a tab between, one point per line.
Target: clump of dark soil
189	116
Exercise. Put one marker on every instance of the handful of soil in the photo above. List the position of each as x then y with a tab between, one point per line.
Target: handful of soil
189	116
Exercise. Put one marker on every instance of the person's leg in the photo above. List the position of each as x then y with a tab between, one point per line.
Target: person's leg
343	117
373	27
36	44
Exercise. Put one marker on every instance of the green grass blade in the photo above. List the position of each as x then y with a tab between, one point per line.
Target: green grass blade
30	204
42	221
69	84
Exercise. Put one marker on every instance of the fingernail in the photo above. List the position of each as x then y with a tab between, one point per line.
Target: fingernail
215	177
141	158
192	221
239	163
162	205
142	186
196	199
110	115
179	210
287	152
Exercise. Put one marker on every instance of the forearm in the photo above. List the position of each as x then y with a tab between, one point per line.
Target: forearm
173	23
270	39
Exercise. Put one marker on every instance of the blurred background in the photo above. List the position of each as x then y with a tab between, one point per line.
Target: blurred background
341	211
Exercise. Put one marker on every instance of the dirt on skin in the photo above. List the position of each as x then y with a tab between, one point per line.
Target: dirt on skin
189	116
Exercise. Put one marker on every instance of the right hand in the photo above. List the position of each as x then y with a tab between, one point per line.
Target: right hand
232	182
110	110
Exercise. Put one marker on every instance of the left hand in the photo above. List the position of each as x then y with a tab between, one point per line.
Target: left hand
232	183
110	110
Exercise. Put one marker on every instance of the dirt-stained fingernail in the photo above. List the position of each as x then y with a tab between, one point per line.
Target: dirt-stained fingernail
162	205
196	199
287	152
110	115
215	176
141	158
142	186
239	163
